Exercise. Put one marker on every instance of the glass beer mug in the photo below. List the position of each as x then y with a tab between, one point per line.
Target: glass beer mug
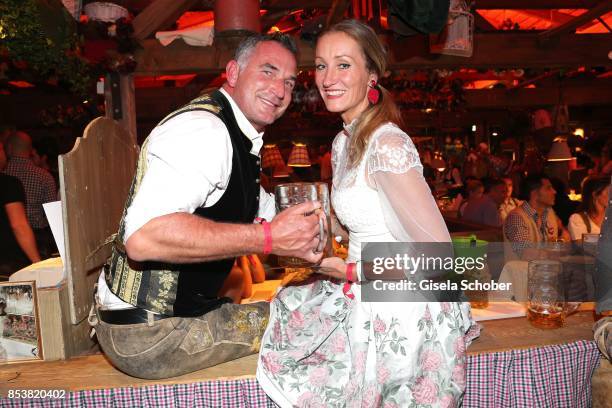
290	194
547	304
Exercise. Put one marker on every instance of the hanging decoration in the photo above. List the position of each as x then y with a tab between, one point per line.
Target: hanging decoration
457	37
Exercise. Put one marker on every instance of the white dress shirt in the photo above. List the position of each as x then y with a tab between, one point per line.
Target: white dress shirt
189	163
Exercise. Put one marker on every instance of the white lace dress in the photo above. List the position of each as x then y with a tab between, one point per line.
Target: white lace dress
324	349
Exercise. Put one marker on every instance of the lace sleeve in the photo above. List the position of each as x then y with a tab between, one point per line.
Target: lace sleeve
337	145
410	211
393	151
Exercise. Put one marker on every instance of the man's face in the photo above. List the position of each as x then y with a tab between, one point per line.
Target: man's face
546	194
498	193
509	187
262	88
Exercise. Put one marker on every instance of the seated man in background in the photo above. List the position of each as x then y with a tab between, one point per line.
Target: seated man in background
39	187
485	209
534	222
18	248
510	202
473	192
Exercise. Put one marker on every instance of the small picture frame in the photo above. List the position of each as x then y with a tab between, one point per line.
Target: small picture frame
19	323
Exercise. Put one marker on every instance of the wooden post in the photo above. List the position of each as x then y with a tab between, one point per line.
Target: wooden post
232	15
120	101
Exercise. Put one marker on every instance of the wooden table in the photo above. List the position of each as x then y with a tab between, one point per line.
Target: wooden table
95	372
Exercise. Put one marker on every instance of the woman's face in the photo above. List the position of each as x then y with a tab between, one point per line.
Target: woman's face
341	75
602	198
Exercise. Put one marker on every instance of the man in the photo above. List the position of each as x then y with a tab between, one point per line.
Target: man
510	203
603	286
190	212
485	209
38	185
18	247
534	221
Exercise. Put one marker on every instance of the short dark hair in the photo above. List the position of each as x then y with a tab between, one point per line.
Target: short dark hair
592	186
246	46
493	182
531	183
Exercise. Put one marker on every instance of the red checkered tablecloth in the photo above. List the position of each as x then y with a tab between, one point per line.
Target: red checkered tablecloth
551	376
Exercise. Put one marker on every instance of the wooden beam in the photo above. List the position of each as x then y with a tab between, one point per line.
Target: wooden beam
534	4
337	11
159	15
125	100
482	23
495	50
588	16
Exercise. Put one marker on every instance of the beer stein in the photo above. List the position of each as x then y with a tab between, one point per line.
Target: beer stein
290	194
547	304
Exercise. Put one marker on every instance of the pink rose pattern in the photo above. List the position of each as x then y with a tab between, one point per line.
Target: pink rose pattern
318	376
338	344
379	325
448	401
272	362
382	374
460	346
320	357
425	391
430	360
459	375
297	320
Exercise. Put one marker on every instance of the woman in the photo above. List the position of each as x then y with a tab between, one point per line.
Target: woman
594	203
324	347
452	177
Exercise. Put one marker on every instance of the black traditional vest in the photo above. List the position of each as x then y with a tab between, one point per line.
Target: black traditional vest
189	289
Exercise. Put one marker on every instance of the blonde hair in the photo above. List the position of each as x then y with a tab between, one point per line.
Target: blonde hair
376	62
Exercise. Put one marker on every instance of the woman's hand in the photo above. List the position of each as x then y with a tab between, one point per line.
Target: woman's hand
334	267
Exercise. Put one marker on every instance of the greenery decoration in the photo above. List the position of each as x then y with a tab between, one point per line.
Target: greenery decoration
41	36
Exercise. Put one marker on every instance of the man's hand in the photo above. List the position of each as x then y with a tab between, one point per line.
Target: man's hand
602	331
295	231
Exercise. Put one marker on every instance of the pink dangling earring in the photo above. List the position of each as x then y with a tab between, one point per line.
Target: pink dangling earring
373	92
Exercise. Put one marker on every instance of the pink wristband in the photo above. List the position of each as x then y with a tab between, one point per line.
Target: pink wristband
267	237
350	272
